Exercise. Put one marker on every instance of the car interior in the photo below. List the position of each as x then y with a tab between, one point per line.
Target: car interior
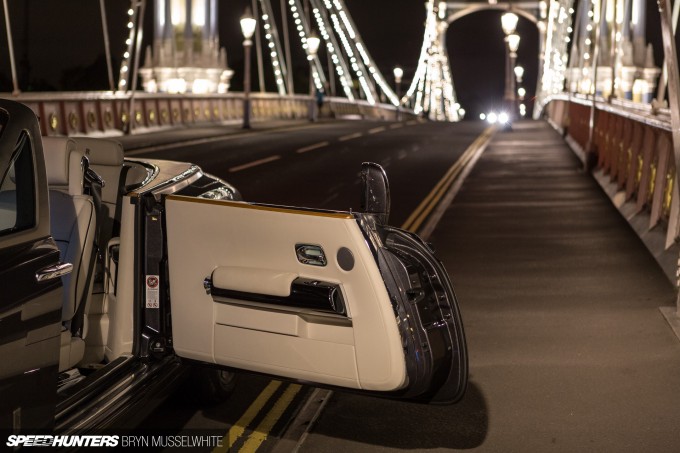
89	240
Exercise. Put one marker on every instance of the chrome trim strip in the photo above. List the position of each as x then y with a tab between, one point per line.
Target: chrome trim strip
177	183
337	319
52	272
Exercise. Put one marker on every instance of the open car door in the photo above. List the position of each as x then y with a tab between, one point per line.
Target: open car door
332	298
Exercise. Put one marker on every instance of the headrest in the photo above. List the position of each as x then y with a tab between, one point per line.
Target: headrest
101	151
64	164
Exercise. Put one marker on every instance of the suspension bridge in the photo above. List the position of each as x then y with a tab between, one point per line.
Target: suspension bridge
561	232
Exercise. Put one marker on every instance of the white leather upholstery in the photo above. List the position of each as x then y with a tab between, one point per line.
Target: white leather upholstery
62	160
106	159
73	223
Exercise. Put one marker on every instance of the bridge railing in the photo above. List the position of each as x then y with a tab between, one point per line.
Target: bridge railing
110	114
630	147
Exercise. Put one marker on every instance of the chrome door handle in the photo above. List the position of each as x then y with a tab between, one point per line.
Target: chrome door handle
52	272
310	254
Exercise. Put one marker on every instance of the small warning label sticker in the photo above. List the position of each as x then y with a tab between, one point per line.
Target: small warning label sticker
152	291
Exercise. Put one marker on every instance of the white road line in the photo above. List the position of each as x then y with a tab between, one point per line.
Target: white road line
254	163
375	130
350	137
312	147
396	126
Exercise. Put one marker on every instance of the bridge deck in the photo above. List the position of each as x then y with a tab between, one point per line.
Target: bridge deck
568	349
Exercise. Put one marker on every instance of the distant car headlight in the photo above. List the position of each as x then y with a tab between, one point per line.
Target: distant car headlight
492	117
503	118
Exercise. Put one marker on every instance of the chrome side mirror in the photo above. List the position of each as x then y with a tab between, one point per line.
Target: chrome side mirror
375	191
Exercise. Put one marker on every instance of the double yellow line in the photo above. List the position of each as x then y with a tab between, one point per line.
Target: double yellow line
425	208
259	434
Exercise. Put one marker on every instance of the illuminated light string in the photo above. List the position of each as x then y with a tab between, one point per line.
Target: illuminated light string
363	52
331	45
303	30
558	29
366	88
422	60
274	44
432	87
129	43
333	48
418	82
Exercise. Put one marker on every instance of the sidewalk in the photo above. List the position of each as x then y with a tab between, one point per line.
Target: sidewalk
560	299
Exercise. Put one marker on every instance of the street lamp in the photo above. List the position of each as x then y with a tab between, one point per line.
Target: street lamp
519	73
398	74
513	45
248	24
313	43
509	22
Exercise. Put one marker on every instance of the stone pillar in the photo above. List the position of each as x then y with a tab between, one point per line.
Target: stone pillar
650	74
628	70
188	35
159	20
638	19
604	81
213	21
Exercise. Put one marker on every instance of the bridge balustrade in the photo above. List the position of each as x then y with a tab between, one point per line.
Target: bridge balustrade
631	149
110	114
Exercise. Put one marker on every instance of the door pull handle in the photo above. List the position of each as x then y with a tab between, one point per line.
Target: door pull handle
52	272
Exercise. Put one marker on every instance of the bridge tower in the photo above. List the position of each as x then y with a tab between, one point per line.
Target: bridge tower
186	55
598	48
431	92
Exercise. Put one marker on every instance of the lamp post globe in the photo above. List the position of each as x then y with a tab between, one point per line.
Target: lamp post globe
509	22
313	44
248	24
519	73
398	74
513	42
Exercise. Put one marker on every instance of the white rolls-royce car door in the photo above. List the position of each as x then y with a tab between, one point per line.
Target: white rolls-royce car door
332	298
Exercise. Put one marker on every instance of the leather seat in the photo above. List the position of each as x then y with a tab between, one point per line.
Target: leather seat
107	160
73	224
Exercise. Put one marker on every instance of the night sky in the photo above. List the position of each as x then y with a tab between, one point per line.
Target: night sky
59	46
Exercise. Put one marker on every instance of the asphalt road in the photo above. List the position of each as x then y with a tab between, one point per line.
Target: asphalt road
310	165
568	350
318	165
560	300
